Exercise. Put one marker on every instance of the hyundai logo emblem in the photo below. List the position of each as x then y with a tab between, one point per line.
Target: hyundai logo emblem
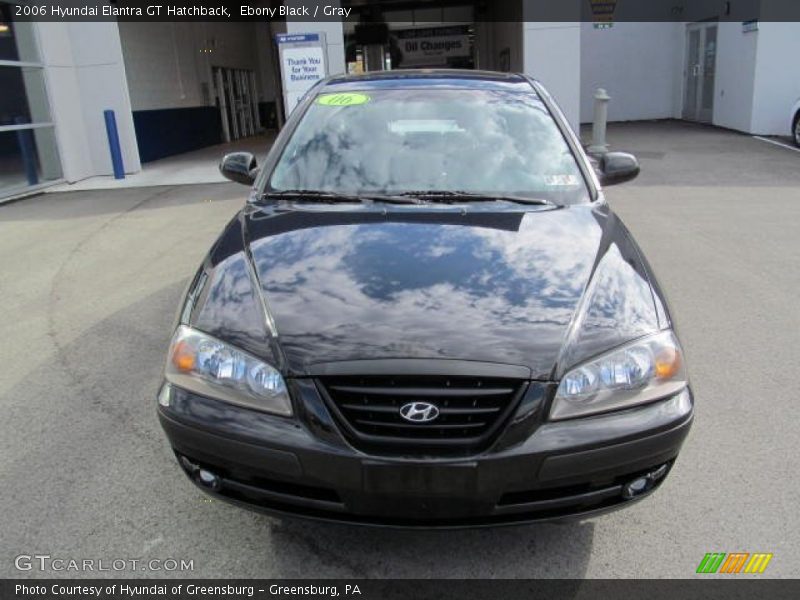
419	412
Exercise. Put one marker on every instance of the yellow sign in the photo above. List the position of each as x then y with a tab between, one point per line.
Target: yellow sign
343	99
603	10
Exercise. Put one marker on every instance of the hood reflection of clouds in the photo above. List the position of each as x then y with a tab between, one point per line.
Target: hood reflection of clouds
620	308
231	310
443	287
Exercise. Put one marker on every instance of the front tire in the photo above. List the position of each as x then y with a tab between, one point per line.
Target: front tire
796	129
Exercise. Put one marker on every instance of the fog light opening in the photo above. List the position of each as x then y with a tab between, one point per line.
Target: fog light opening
635	487
644	483
208	479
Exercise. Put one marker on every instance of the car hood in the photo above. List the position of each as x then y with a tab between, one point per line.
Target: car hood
518	287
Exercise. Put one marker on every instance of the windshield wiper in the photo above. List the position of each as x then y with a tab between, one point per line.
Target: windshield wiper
447	196
415	197
322	196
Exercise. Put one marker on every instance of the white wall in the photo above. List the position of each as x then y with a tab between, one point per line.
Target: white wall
168	64
640	65
552	54
734	81
85	75
777	77
758	77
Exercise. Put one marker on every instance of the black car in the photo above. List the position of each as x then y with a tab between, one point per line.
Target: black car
796	124
426	314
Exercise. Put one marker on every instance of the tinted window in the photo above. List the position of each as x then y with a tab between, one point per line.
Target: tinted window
390	141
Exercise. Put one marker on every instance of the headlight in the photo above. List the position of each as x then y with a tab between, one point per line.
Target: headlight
639	372
207	366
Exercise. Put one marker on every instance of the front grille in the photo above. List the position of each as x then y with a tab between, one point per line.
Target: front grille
471	409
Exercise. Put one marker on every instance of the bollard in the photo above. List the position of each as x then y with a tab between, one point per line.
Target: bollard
599	145
113	144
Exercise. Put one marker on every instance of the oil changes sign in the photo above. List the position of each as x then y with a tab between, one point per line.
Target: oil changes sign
433	45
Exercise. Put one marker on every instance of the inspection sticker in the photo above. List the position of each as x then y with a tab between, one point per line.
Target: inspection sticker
343	99
561	180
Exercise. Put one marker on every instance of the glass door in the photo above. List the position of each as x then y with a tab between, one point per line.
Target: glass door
708	60
237	101
701	62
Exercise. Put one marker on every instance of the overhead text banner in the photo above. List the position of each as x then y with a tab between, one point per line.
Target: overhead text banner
319	10
392	589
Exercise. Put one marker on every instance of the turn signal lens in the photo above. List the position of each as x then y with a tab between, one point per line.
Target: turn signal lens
183	356
668	363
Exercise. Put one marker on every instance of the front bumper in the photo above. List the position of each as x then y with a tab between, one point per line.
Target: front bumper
535	471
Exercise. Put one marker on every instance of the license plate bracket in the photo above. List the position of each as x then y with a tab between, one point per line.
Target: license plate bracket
415	479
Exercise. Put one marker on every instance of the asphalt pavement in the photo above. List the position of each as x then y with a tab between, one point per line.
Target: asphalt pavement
89	286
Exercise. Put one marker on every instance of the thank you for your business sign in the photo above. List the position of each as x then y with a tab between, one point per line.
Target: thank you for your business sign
303	63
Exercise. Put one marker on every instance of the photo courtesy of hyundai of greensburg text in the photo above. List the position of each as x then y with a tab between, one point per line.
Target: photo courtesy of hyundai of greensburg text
399	299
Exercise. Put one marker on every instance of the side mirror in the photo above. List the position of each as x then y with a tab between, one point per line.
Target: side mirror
617	167
239	167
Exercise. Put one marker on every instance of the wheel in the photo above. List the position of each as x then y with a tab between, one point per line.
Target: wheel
796	129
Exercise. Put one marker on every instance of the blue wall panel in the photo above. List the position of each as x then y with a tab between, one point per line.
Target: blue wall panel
169	131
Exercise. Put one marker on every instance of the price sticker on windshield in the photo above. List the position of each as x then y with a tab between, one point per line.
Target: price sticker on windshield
343	99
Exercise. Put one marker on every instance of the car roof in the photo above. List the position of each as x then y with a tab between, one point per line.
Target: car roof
443	78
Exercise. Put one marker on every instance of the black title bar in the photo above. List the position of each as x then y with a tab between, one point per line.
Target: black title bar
311	11
712	588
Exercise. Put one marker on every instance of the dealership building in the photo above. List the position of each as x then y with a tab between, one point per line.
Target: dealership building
175	87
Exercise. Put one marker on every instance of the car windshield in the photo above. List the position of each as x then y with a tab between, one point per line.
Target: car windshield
396	141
